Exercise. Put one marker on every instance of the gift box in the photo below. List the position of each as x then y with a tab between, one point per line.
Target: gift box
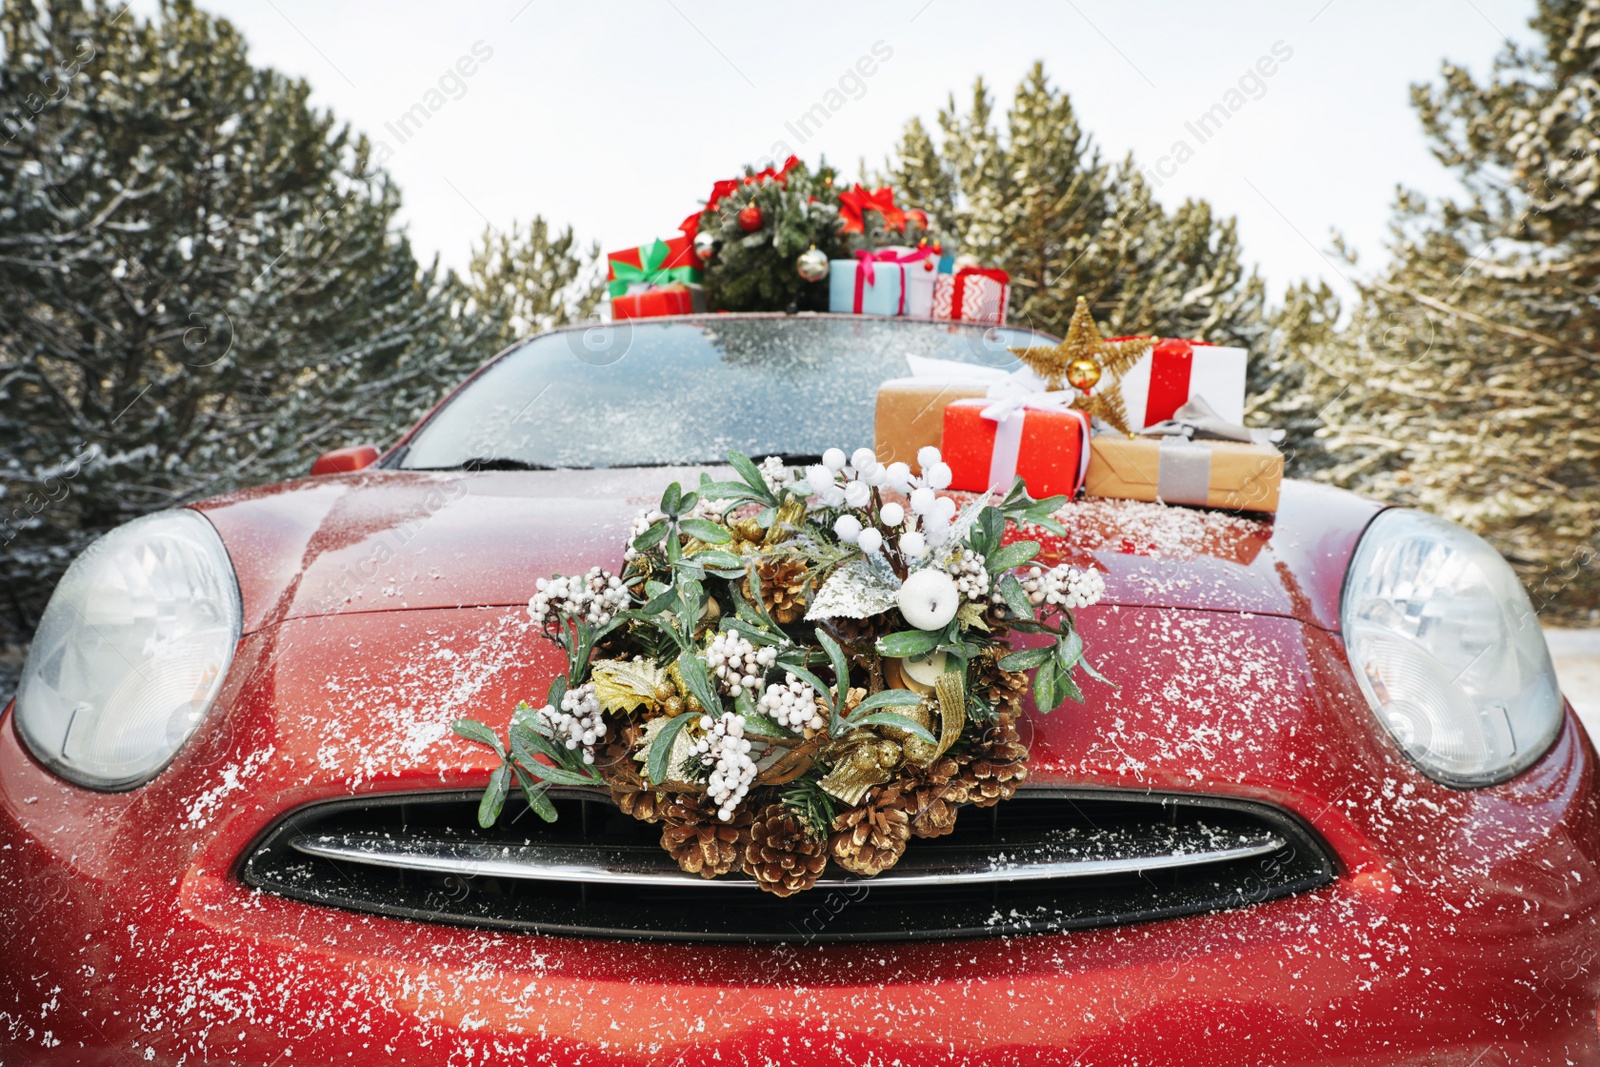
972	294
920	267
1235	475
873	283
910	415
650	301
1175	371
988	442
660	263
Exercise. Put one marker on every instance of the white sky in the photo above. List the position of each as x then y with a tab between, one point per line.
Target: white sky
617	117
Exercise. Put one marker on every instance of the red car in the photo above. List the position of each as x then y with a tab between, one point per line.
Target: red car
1333	809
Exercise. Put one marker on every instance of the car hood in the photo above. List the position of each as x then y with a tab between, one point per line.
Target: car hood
409	540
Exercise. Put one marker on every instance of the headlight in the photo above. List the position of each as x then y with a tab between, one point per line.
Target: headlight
1448	650
131	651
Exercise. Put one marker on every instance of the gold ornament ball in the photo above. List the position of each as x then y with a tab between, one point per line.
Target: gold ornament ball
812	265
1083	374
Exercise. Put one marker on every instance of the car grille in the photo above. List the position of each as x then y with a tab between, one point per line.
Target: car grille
1046	860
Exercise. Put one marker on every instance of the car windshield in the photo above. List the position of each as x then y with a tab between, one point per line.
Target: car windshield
642	393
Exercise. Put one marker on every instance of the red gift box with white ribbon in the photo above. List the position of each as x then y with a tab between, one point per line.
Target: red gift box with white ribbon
972	294
988	442
1176	371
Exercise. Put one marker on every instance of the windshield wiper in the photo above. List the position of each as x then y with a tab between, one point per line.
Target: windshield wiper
496	463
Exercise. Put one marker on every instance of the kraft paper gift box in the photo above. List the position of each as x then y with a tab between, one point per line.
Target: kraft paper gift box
1175	371
871	284
988	442
650	301
910	415
1177	470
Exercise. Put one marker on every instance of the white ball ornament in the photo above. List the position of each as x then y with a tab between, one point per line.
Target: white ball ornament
848	527
870	540
929	599
938	475
863	459
833	459
898	477
858	494
914	545
892	514
927	456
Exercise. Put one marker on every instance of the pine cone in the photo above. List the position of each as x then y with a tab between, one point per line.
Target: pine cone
863	631
1001	690
783	856
700	841
783	586
871	838
931	799
995	765
643	804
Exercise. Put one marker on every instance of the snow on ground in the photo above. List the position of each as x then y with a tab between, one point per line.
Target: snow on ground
1577	656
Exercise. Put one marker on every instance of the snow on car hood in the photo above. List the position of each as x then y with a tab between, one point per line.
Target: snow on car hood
399	540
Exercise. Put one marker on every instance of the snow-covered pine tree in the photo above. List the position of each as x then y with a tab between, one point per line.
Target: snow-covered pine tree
1040	202
201	281
522	281
1471	374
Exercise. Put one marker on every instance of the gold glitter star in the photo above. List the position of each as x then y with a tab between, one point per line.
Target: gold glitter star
1085	345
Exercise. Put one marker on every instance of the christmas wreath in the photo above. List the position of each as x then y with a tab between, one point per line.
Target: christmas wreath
800	667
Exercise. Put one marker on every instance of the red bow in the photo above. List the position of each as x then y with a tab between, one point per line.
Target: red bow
729	186
854	204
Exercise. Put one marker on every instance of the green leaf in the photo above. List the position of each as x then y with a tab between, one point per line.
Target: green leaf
537	801
671	499
698	679
724	491
990	528
688	502
908	643
752	475
757	602
661	602
755	723
661	749
887	698
526	745
1015	596
1027	659
714	559
1069	650
1096	675
889	718
494	797
1011	556
1046	691
704	530
558	689
1067	689
473	730
651	537
840	665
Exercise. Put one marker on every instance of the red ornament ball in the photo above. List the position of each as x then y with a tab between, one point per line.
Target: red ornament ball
918	216
750	218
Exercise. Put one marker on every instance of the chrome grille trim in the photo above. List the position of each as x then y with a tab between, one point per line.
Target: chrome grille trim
925	864
1052	860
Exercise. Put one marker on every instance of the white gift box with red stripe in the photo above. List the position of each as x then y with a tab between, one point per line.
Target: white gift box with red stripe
1175	371
972	294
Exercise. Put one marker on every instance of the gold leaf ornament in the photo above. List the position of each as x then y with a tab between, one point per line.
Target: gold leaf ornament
626	685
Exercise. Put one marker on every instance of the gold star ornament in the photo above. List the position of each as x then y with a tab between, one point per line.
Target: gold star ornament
1086	359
